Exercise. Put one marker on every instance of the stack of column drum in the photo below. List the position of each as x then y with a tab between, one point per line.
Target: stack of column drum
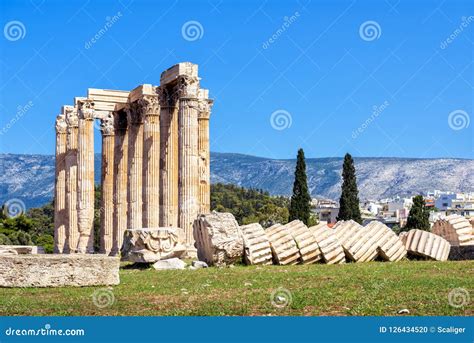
295	243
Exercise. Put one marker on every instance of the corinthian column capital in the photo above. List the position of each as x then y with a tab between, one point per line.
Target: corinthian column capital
107	125
61	125
134	113
86	109
188	86
72	120
149	105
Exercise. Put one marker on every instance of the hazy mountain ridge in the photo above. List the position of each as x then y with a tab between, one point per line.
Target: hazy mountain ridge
31	177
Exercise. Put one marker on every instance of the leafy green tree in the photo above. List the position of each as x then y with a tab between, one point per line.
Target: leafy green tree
419	215
349	200
249	205
300	200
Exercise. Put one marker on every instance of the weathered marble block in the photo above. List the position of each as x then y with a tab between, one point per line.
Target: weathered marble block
21	249
152	245
218	239
44	270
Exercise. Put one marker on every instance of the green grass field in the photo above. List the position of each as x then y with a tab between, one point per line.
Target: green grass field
376	288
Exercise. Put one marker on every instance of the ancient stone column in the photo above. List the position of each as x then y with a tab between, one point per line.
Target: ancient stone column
85	177
60	215
169	158
135	165
72	232
151	161
107	184
204	156
120	180
188	185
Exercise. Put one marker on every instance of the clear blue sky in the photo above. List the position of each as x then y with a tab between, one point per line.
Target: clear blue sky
321	71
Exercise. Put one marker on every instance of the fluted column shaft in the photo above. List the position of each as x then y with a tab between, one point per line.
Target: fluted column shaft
120	180
151	162
72	232
107	185
135	167
85	178
60	214
204	158
169	165
188	166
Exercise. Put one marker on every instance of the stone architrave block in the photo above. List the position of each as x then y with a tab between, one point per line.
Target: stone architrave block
44	270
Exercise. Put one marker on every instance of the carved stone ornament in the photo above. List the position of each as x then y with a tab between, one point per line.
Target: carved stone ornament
151	245
86	109
72	120
107	125
61	125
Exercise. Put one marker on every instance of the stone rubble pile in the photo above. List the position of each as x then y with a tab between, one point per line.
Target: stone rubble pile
220	241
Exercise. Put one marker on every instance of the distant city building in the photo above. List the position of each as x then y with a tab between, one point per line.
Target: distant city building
326	209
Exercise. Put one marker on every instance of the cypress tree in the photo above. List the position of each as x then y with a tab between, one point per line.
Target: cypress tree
300	200
418	218
349	201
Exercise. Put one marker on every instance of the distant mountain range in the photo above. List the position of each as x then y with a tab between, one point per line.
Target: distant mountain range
31	177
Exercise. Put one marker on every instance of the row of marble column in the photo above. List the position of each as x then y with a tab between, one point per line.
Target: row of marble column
155	168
